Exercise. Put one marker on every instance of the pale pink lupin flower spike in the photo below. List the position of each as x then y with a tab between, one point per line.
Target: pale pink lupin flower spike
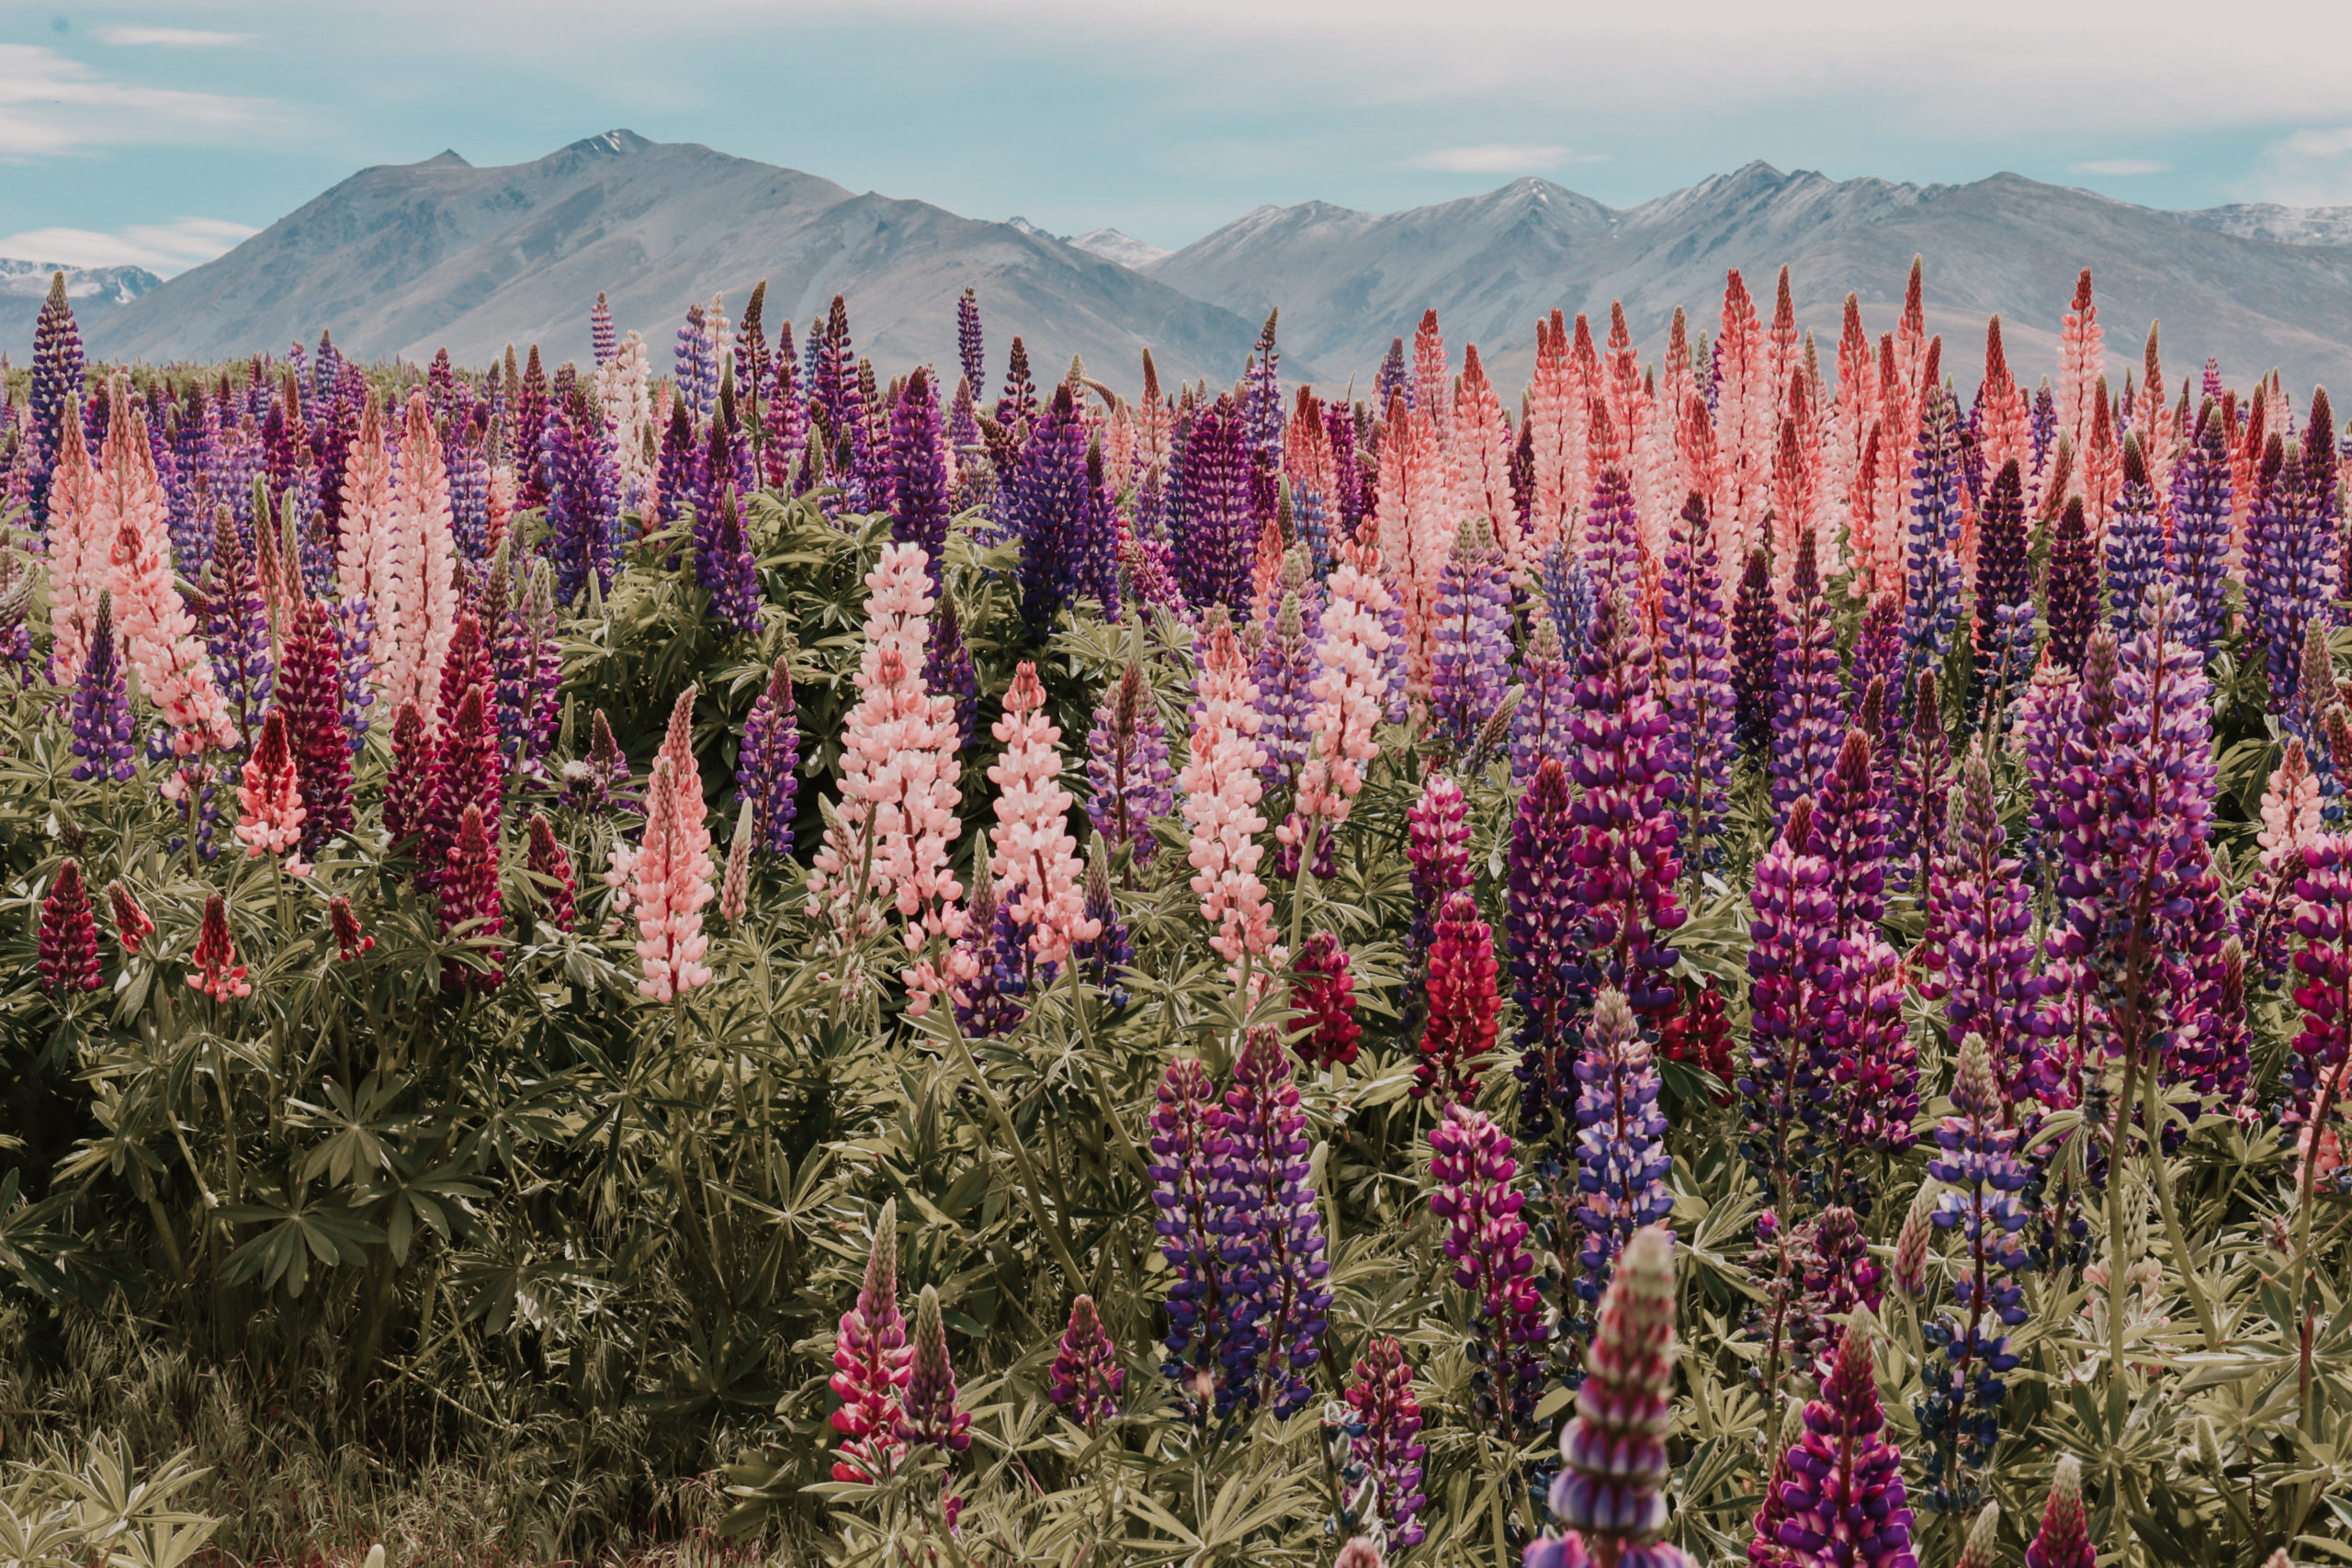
2290	816
1350	690
1220	786
734	889
362	563
669	874
1040	881
269	798
159	634
417	611
81	540
889	839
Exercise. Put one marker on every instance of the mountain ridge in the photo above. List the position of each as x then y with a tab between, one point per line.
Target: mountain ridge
96	292
405	259
1347	282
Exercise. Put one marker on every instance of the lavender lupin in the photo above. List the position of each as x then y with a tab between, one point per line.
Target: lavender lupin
102	705
1976	1163
1622	1158
1204	1341
1977	956
1055	505
2135	545
1931	614
969	354
1472	639
1213	524
918	483
1695	680
236	629
57	387
1539	724
1808	716
767	767
1275	1269
1543	920
2201	499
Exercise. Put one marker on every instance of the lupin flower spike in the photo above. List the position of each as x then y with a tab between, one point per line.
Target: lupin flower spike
1909	1274
1611	1490
871	1363
102	705
1462	1003
550	870
1984	1546
2064	1539
68	943
767	767
1126	765
1383	1446
1087	1378
269	796
132	925
1038	875
1470	1161
1622	1158
1324	993
734	887
350	940
217	972
669	872
930	1411
1844	1491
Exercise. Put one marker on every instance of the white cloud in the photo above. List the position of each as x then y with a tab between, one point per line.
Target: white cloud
170	38
1497	158
2121	168
2306	168
51	104
161	248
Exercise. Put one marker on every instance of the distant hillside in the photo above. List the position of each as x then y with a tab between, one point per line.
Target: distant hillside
402	260
1347	282
407	259
97	292
2283	225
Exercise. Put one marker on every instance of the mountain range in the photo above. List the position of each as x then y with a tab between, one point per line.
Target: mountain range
2222	283
405	259
96	292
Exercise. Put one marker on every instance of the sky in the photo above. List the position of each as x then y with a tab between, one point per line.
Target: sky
160	135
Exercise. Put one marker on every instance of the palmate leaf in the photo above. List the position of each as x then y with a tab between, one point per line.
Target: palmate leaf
298	1230
429	1200
363	1122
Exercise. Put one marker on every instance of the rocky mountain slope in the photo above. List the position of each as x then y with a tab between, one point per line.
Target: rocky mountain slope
97	292
1347	282
407	259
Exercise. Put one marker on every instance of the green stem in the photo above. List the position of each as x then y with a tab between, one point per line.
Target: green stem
1032	1187
2175	1235
2116	1265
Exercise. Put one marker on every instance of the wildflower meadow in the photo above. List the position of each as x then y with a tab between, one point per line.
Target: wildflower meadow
733	955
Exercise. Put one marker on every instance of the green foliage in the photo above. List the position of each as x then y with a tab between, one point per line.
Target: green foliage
556	1254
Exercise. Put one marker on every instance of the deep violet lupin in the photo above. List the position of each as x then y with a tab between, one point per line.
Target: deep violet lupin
1086	1378
1697	685
1808	713
1486	1240
1611	1489
1383	1428
1127	766
767	765
101	716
